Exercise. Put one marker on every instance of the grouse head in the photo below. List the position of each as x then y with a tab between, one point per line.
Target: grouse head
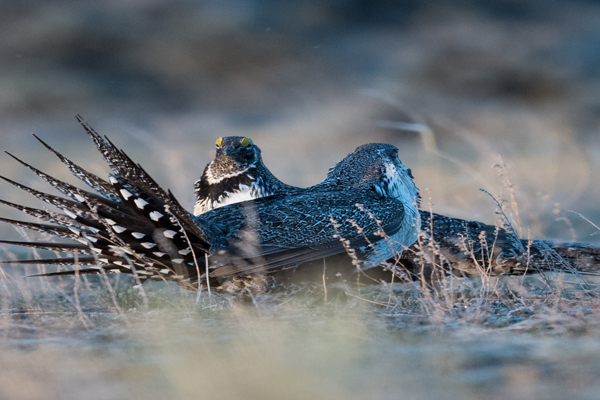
236	174
375	166
235	155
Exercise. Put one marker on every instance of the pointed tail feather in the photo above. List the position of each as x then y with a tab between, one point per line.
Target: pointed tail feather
62	203
130	174
86	260
75	193
45	228
63	220
64	187
50	245
34	212
79	215
95	182
85	271
132	224
122	165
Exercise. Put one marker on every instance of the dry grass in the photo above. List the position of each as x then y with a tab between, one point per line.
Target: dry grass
517	337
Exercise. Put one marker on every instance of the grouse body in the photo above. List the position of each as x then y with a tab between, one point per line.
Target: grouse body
460	247
131	225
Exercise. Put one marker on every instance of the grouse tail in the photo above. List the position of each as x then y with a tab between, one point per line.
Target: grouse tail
126	224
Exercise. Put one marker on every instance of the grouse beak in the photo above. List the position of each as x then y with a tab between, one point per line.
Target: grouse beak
229	150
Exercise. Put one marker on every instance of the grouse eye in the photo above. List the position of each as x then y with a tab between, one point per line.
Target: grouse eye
219	141
246	142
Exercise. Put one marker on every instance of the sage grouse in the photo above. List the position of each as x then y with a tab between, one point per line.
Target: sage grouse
129	224
465	248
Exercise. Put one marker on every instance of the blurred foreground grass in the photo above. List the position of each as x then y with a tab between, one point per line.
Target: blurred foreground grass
507	338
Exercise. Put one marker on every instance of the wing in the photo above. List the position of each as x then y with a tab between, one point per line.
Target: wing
280	231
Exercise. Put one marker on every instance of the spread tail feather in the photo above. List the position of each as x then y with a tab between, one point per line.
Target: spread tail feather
85	271
95	182
129	223
50	245
54	261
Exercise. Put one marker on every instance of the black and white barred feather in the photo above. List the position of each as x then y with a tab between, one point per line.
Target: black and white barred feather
129	224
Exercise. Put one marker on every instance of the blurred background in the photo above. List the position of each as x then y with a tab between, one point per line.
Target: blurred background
501	95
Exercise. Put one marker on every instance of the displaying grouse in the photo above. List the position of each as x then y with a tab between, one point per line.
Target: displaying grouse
445	245
129	224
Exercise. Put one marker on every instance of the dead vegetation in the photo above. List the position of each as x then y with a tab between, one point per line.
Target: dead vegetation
433	336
